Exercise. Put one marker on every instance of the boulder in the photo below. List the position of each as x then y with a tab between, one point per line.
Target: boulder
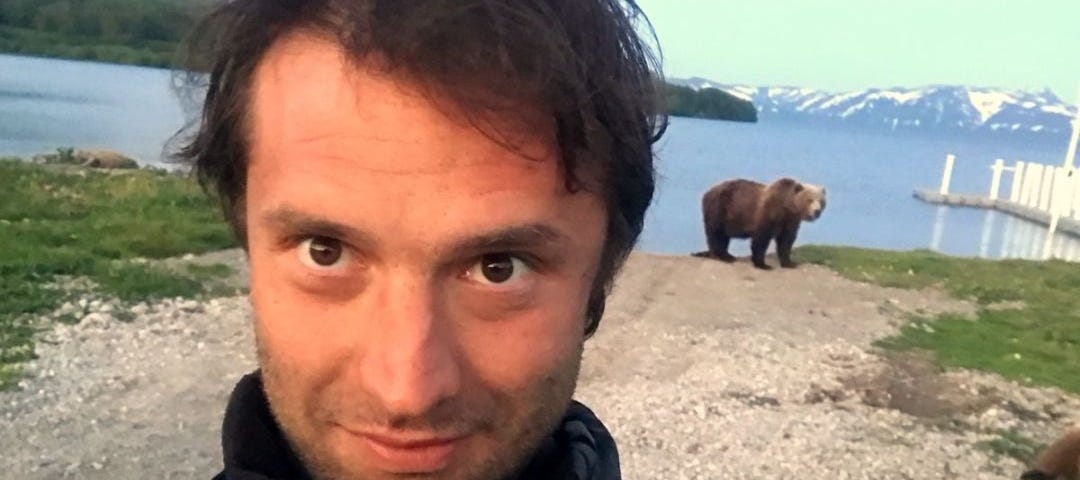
104	159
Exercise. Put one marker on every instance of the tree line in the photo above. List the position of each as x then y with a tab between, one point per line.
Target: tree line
149	33
708	103
120	20
141	32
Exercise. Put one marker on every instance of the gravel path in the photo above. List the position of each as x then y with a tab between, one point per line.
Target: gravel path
701	370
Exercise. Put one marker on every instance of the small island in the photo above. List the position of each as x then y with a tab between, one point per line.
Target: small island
711	103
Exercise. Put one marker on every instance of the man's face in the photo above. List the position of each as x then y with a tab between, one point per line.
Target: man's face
419	289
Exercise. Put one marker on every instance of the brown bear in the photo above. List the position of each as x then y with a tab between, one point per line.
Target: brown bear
747	209
1059	461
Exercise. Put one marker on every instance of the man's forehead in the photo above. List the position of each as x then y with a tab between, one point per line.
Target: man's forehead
306	85
307	94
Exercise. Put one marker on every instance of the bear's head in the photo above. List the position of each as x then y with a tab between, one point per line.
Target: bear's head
810	201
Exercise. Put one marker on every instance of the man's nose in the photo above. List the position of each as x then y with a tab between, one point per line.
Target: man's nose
412	357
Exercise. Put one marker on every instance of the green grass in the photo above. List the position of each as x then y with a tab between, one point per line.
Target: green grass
90	224
1027	326
1010	443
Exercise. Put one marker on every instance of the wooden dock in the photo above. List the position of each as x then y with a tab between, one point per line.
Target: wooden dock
1065	225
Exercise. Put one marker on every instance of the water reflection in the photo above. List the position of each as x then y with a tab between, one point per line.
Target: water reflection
1001	235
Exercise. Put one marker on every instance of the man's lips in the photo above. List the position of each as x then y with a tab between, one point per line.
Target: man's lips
407	452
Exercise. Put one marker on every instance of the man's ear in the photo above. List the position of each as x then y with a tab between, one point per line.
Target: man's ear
237	219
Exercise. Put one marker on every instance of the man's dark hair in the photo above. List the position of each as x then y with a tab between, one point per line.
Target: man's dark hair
580	61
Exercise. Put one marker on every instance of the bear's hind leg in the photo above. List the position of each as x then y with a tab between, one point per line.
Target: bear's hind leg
718	246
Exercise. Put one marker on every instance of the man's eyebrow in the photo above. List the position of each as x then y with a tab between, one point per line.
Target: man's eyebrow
291	220
532	235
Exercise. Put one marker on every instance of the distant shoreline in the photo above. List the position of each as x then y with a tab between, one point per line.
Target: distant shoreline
29	42
83	60
680	101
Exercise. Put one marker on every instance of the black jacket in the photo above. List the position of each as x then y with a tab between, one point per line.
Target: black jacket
254	448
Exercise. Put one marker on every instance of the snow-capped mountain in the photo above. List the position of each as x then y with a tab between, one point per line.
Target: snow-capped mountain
935	107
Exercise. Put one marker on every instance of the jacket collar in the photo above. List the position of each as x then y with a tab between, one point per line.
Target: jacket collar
254	447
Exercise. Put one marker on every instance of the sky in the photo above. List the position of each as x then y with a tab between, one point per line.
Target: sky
839	45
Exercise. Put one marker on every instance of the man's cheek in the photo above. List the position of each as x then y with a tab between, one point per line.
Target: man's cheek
516	352
286	312
291	331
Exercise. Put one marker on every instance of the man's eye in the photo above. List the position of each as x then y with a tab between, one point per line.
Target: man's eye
498	269
321	252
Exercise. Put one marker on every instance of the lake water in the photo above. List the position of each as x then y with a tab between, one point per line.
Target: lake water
48	104
869	176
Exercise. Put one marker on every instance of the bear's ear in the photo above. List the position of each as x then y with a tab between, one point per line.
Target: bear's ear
798	187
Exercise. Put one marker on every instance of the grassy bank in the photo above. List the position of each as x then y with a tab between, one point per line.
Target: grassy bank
58	221
1028	323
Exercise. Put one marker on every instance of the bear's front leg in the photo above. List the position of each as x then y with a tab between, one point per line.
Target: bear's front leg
784	242
758	246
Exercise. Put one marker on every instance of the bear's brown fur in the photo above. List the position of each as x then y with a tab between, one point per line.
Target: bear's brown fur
747	209
1060	461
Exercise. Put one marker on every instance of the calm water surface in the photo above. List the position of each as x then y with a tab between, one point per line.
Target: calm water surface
47	104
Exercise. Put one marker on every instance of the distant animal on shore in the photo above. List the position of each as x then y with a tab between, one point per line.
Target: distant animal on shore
743	208
94	158
1059	461
104	159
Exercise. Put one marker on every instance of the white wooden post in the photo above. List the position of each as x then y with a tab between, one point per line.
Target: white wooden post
995	180
1058	198
1018	177
1076	193
1071	195
1036	184
946	176
1065	187
1046	189
1025	188
1032	176
1070	155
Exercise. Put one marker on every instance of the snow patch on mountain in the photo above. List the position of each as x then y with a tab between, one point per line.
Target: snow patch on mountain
932	107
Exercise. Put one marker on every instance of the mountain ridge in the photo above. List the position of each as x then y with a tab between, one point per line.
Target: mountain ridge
937	107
